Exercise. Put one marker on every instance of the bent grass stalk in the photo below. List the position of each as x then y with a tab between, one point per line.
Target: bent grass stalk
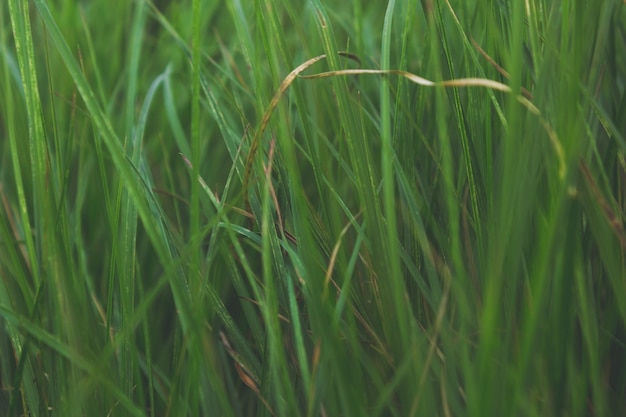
459	82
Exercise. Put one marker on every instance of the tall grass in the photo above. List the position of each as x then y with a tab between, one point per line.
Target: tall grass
193	223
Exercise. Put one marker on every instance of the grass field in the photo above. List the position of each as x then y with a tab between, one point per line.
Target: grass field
313	208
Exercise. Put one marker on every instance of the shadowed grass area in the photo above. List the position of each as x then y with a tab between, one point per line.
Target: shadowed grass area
283	208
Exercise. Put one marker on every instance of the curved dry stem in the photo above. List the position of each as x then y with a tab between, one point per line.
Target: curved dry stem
254	146
459	82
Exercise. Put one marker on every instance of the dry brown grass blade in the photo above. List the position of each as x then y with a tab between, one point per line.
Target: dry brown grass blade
498	68
333	259
459	82
245	375
254	146
612	219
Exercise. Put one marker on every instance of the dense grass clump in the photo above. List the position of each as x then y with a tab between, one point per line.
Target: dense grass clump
313	208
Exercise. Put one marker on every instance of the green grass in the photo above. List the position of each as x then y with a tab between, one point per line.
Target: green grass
191	225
